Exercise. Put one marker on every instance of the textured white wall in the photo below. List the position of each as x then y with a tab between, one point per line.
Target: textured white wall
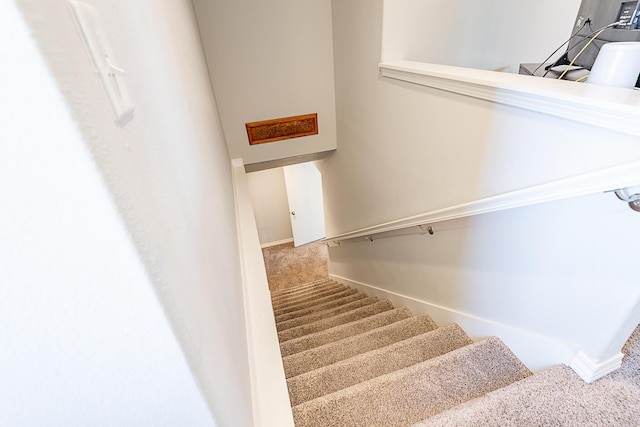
268	60
490	35
269	198
168	175
405	150
84	340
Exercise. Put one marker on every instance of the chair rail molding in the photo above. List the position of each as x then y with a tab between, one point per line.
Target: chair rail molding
611	108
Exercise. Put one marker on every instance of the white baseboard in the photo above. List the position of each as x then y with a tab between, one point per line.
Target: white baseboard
279	242
590	370
536	351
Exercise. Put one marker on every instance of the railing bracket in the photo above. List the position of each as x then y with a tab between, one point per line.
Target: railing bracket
631	195
428	229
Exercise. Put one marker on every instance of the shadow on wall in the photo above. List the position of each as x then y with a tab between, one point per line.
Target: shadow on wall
489	35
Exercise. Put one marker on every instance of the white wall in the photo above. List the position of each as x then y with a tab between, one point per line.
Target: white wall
560	274
406	150
269	60
97	302
490	35
269	198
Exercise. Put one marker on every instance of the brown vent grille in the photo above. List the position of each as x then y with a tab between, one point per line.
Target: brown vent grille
284	128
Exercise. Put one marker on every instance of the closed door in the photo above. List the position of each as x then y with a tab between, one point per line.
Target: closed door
306	209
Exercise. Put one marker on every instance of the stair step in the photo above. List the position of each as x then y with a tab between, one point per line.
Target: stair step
309	296
324	314
313	303
343	331
315	358
313	309
298	288
306	291
536	401
415	393
371	364
330	322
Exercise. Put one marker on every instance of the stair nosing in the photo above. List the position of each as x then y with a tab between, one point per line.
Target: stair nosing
395	355
388	380
387	306
329	312
312	302
298	313
310	289
402	311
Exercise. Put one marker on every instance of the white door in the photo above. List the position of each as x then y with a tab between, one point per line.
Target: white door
306	210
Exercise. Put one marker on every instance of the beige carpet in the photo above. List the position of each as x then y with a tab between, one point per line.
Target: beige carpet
357	361
558	397
288	266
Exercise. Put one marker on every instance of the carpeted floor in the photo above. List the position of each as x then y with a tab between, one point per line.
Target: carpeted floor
288	266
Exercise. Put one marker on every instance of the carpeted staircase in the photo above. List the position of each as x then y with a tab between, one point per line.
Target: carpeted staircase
353	360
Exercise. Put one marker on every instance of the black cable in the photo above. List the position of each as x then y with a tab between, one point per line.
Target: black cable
588	21
603	29
588	39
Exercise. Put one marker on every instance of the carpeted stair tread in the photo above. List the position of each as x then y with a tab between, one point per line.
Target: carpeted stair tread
373	339
343	331
309	296
371	364
313	309
275	299
417	392
319	299
630	369
553	397
289	299
298	288
354	374
329	312
333	321
324	299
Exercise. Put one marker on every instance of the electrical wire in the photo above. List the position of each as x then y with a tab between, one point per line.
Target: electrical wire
588	21
600	31
566	54
584	39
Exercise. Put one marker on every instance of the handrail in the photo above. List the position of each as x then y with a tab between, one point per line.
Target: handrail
603	180
406	231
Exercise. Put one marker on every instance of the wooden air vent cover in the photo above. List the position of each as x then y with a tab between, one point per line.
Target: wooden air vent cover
284	128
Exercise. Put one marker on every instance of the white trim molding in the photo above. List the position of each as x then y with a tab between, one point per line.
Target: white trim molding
269	393
276	243
612	108
590	370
